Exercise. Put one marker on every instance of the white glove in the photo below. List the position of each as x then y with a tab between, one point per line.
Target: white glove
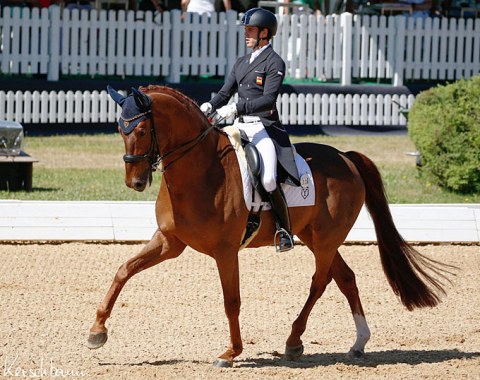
227	111
206	108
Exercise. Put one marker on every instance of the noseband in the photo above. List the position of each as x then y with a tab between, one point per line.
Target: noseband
153	155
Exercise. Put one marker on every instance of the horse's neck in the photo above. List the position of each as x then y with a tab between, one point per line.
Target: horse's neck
193	165
197	165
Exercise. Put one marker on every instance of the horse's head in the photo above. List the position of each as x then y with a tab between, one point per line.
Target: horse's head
137	130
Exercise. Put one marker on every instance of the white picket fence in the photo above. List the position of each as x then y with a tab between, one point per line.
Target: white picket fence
128	43
295	109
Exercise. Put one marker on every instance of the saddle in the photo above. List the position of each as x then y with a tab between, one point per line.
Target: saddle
253	159
255	196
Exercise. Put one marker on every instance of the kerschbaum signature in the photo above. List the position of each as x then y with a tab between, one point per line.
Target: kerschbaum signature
44	368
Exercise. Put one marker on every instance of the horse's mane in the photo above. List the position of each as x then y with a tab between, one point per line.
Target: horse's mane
181	97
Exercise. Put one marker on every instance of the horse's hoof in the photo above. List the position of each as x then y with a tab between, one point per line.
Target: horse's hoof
96	340
293	353
355	354
222	363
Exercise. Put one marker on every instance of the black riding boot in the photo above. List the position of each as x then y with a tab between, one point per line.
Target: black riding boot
282	220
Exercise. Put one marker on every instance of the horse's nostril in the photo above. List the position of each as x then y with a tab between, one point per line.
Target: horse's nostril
138	185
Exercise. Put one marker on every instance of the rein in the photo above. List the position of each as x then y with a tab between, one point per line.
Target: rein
154	156
194	142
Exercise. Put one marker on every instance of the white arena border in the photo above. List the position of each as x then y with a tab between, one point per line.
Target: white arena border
111	221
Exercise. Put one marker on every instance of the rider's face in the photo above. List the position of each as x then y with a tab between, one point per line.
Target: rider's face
251	35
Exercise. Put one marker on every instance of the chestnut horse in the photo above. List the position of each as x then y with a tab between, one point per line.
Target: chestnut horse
201	204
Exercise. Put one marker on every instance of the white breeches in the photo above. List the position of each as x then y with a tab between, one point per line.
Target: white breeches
259	137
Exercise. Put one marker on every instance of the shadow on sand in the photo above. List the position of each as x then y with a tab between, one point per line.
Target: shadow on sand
372	359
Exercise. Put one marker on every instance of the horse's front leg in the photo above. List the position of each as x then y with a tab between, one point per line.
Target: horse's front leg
158	249
321	278
227	264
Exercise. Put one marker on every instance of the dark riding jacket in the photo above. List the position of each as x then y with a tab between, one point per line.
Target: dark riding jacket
258	85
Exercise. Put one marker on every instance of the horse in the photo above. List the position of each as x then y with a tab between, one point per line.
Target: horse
200	204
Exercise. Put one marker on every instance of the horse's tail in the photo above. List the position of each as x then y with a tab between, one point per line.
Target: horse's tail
405	268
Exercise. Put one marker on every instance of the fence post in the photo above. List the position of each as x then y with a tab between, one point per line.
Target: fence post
398	60
54	36
231	40
346	23
175	43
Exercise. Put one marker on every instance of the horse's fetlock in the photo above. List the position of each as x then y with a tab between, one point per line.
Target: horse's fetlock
103	312
297	331
238	349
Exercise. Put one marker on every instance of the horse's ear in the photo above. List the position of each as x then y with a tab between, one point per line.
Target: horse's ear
117	97
142	100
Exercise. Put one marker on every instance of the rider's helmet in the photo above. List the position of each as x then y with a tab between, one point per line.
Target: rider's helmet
261	18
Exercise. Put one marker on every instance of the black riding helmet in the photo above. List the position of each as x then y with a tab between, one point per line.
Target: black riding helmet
261	18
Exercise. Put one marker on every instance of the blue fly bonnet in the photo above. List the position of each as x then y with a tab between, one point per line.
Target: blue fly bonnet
136	107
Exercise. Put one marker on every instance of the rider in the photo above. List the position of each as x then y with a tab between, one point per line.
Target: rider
257	77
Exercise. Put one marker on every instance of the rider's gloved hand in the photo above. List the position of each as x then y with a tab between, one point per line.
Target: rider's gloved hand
206	108
227	111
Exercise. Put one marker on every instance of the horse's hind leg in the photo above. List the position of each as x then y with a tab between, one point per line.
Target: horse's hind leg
158	249
345	279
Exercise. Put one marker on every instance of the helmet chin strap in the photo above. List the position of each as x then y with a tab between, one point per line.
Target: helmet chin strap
259	39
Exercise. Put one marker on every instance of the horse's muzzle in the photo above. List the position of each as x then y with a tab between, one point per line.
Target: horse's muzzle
139	185
135	183
138	182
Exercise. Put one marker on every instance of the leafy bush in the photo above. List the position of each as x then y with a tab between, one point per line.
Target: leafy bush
444	125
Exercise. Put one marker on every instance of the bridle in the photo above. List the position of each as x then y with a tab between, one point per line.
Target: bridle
154	156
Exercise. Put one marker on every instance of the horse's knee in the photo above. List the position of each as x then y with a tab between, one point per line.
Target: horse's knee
317	290
122	274
319	283
329	277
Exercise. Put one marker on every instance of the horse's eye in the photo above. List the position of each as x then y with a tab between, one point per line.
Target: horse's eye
142	132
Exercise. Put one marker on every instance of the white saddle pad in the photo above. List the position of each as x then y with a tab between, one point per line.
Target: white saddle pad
297	196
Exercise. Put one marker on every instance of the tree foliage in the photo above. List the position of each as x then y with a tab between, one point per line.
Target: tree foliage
444	125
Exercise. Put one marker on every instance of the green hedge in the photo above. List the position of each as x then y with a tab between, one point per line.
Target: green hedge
444	125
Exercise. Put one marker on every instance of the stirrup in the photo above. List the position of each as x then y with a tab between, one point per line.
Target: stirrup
287	243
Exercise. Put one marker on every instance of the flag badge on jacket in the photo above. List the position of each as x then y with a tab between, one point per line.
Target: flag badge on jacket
260	81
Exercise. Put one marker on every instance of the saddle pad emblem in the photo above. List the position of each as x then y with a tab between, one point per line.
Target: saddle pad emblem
304	182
